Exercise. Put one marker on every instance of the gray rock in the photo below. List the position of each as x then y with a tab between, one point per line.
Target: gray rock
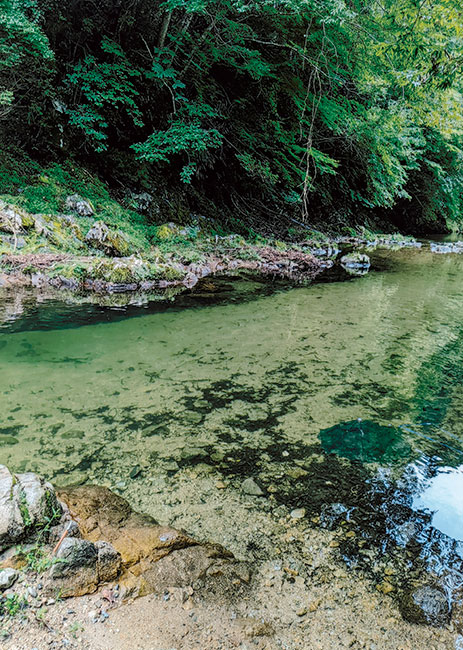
98	233
108	562
75	572
358	263
74	554
7	578
27	502
12	218
80	206
249	486
426	605
142	201
13	241
11	522
190	280
112	242
38	501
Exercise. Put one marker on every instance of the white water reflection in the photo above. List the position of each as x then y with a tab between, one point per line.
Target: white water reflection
443	496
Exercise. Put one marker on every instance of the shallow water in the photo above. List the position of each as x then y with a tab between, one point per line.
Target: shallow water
369	371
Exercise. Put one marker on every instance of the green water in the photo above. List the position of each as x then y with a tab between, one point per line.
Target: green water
241	382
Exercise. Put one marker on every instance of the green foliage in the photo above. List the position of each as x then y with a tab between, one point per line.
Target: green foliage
103	85
265	107
26	62
25	514
38	560
181	137
12	604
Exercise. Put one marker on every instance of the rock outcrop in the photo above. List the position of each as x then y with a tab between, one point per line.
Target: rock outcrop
153	557
111	242
91	536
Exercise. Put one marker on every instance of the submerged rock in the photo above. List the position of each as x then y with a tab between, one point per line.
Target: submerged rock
426	605
366	441
332	514
250	487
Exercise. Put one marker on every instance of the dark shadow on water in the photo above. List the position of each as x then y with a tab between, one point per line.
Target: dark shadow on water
365	441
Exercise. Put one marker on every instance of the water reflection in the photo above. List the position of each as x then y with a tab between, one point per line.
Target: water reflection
442	495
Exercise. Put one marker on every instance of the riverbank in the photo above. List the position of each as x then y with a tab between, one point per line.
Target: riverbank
190	404
101	246
293	590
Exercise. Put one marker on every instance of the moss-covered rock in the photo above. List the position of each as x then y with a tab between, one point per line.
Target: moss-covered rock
112	242
14	219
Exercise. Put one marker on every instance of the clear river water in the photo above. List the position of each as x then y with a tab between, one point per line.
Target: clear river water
357	382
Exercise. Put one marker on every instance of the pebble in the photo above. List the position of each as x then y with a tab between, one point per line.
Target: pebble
302	611
32	592
298	513
249	486
385	587
7	578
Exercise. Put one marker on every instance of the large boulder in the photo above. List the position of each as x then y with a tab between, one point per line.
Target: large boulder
27	504
92	536
153	557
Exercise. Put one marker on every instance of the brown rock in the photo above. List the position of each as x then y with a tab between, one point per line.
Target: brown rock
103	515
152	557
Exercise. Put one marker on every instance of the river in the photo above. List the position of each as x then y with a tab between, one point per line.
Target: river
360	378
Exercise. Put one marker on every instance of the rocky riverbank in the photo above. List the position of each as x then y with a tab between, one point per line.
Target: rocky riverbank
81	252
84	252
84	555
